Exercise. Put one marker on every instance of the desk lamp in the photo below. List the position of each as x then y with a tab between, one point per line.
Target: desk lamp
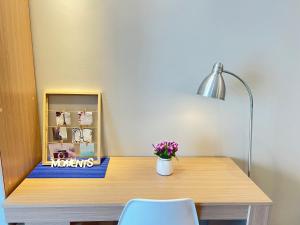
213	86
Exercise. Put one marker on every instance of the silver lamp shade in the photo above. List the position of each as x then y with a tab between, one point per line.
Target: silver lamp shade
213	85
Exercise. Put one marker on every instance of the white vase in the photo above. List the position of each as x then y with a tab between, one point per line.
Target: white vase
164	167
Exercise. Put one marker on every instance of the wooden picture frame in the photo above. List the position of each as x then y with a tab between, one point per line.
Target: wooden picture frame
71	101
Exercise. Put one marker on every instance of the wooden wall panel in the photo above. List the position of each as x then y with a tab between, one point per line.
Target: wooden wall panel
20	146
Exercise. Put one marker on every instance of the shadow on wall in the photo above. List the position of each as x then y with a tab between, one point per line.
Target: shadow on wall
107	129
285	203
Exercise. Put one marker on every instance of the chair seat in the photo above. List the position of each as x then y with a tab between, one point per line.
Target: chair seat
159	212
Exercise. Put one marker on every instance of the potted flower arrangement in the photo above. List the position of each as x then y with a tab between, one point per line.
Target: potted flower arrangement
165	151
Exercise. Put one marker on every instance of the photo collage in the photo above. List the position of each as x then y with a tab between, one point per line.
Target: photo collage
72	139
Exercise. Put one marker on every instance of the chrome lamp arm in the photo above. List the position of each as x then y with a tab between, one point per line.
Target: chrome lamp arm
250	121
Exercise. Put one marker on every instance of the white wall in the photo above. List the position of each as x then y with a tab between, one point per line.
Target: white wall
148	57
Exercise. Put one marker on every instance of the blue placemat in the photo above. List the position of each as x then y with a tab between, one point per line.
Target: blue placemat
97	171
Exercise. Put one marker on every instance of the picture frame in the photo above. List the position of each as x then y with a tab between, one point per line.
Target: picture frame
71	103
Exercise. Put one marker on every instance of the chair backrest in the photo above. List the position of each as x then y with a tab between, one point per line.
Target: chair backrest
159	212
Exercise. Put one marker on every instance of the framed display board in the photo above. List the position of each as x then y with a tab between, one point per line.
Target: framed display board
71	125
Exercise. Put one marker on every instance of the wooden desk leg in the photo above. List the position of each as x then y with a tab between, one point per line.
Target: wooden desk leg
258	215
47	223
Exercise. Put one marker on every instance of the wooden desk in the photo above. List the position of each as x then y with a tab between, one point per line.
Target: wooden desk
216	184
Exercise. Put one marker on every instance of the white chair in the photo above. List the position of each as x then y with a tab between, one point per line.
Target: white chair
159	212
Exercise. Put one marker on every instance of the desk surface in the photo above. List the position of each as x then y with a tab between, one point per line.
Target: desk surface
207	180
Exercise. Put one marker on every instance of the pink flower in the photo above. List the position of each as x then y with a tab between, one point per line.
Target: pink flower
166	149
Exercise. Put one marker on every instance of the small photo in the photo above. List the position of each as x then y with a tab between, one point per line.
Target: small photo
59	133
77	136
63	118
87	134
87	150
62	151
85	118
